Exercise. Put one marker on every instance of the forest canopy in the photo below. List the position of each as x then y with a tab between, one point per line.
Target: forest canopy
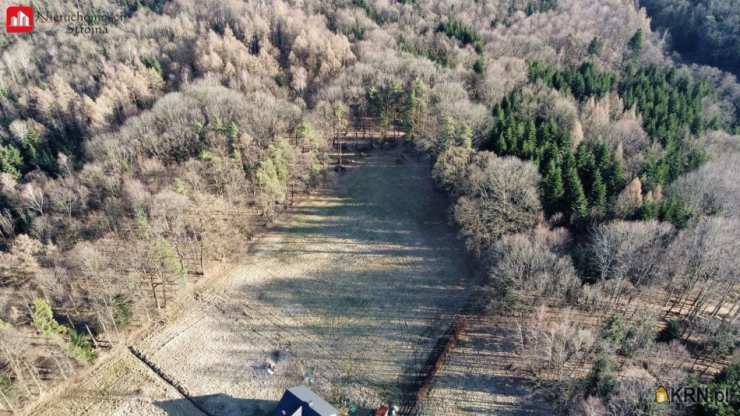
705	31
587	168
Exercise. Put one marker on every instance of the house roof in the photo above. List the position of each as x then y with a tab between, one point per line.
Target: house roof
300	400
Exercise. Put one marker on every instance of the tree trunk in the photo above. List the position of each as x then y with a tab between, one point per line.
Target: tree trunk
153	286
725	293
92	337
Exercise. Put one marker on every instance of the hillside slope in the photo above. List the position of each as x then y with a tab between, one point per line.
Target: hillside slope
385	275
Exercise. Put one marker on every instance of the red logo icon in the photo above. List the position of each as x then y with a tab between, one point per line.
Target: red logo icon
19	19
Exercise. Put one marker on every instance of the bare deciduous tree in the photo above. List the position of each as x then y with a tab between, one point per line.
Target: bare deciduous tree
499	196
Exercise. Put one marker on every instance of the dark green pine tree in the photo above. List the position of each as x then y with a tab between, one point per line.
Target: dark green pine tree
586	165
530	9
614	177
408	112
636	42
598	195
578	87
548	152
479	66
602	157
414	108
595	47
674	209
511	139
530	142
552	188
500	116
574	196
449	134
11	160
548	132
501	146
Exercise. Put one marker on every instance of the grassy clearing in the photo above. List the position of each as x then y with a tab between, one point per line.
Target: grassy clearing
355	283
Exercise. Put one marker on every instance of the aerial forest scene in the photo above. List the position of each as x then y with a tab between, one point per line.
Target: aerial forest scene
370	207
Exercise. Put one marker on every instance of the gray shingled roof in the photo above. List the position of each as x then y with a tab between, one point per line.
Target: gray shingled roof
316	403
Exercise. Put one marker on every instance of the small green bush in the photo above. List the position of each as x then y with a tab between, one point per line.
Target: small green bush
628	337
614	331
43	319
81	346
602	379
673	331
122	313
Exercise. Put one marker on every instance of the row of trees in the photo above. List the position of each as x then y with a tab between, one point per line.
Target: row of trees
458	30
583	82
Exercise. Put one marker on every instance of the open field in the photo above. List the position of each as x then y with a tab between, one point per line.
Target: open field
355	284
482	375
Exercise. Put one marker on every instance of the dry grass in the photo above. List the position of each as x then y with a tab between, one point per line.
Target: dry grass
486	375
356	283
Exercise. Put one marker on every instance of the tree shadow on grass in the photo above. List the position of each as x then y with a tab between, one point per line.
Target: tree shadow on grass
499	394
360	285
218	405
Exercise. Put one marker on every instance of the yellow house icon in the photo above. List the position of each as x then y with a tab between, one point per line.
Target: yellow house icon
661	394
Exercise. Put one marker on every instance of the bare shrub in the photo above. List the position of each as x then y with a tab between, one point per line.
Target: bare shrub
551	346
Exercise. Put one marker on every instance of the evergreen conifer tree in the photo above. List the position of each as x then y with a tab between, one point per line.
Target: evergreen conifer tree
574	196
636	42
552	188
598	194
530	142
